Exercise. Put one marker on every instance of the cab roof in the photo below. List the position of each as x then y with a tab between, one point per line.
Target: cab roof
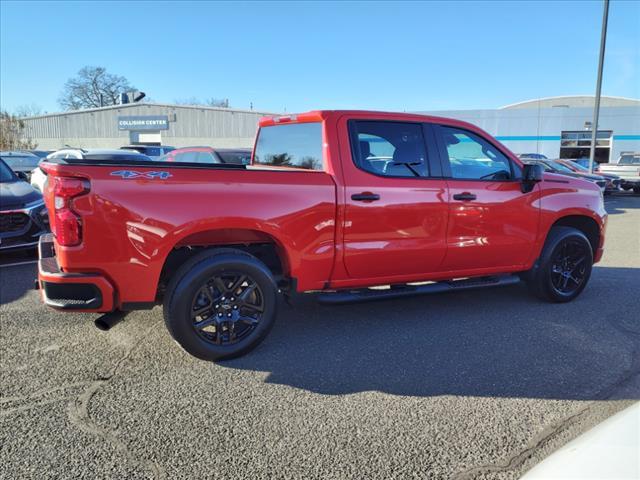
321	115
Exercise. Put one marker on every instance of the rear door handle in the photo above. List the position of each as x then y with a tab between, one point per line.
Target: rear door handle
464	196
365	197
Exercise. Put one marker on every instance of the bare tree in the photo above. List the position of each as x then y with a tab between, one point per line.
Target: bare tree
217	102
208	102
12	133
93	87
30	110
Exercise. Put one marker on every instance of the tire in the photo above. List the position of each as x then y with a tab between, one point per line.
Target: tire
235	319
560	265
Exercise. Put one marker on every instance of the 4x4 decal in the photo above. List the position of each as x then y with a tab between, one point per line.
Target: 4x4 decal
133	174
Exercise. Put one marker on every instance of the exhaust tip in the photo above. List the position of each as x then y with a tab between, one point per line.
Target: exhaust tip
102	325
108	320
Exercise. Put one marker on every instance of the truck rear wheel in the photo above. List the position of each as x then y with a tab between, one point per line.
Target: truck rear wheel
564	267
220	304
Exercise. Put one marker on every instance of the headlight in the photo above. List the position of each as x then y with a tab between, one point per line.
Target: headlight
35	203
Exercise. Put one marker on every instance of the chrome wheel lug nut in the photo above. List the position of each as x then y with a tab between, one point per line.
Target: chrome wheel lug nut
232	299
228	314
235	307
220	314
223	299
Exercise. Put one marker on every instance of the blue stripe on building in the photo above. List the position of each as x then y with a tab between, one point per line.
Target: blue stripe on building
515	138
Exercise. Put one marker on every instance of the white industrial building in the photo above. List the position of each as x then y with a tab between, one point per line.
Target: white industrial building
144	123
560	127
555	127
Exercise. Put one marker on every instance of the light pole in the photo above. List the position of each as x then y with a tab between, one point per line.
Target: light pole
596	107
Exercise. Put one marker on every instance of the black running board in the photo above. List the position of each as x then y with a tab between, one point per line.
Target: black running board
368	294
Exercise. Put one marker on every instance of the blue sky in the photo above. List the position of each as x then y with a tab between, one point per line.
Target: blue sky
302	55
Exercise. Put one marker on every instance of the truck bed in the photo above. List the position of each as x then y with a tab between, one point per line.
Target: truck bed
133	218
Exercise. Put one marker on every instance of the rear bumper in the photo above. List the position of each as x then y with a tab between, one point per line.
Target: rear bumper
80	292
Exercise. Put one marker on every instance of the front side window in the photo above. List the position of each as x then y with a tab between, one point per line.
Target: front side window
296	145
473	158
391	149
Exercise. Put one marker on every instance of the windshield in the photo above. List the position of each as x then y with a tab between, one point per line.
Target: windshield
241	158
560	167
582	168
629	160
6	175
21	162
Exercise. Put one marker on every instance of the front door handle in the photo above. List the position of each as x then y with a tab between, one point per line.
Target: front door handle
464	196
365	197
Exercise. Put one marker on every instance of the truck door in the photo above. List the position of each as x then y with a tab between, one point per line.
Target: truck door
492	224
395	209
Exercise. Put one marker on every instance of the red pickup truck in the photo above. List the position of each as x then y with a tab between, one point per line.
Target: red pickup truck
333	201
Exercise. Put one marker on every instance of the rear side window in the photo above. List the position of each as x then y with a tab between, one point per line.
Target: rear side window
291	145
390	149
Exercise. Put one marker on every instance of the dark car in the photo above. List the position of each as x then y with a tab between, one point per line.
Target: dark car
21	162
557	167
532	156
584	162
41	153
613	181
23	216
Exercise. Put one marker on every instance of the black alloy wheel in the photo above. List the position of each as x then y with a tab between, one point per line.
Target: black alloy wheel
569	267
227	308
564	266
220	304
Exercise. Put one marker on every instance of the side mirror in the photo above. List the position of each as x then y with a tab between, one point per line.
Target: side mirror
23	176
531	174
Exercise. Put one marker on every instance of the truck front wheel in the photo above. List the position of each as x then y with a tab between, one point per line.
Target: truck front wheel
220	304
564	267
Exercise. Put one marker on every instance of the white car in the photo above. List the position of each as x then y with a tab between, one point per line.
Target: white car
38	179
627	168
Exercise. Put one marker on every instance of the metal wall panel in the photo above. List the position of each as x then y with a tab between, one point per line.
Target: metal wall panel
196	122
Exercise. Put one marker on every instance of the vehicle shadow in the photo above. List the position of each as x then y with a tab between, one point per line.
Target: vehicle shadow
15	281
492	343
620	202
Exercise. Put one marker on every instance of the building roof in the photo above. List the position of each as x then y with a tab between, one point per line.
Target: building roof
148	104
574	101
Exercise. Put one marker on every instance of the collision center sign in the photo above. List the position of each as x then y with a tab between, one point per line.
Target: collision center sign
143	122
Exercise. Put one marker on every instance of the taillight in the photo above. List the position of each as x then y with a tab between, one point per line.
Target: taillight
67	225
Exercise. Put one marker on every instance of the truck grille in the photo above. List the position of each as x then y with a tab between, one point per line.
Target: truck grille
13	222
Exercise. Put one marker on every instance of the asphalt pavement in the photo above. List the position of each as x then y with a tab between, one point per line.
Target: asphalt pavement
475	384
